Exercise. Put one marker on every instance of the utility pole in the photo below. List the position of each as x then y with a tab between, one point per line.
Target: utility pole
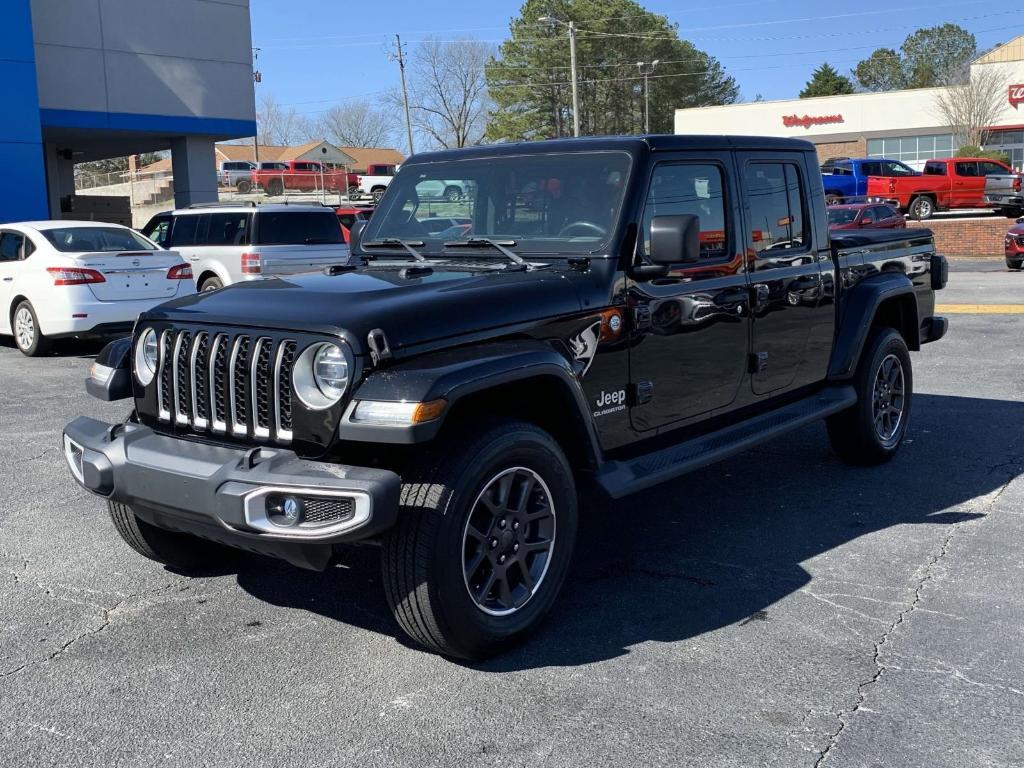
400	58
646	69
257	78
572	69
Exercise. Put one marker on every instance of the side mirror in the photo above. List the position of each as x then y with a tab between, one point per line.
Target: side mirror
675	239
355	234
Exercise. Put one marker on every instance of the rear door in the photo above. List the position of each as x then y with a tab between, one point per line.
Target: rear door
789	258
213	242
968	185
11	255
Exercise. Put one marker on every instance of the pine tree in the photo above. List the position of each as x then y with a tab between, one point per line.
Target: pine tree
826	81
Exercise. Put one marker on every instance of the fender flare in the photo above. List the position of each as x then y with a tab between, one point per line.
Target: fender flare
456	374
859	310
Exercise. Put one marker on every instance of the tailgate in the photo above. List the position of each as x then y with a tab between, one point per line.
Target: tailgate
294	259
132	275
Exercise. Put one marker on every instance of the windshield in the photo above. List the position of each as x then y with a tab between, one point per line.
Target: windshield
544	203
77	239
841	215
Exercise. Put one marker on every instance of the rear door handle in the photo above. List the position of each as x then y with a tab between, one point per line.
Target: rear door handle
8	279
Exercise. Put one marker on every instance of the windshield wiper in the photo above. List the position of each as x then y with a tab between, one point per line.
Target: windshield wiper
409	245
476	242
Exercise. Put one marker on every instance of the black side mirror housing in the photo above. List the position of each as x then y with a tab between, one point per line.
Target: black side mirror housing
355	234
675	239
110	375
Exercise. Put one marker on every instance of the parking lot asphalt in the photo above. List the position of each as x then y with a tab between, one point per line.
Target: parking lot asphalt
778	609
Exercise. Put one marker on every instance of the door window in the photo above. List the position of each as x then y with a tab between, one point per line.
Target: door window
868	217
935	169
989	168
10	246
776	196
158	229
228	229
967	169
185	231
696	189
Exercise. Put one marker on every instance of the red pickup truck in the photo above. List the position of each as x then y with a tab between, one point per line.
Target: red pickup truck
299	175
953	182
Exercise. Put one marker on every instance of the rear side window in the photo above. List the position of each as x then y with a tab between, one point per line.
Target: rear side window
695	189
989	168
966	169
228	229
10	246
776	194
297	228
935	169
185	230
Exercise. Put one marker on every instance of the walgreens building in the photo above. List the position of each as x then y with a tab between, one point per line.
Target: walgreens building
901	125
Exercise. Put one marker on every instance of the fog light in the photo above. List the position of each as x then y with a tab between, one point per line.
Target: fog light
284	510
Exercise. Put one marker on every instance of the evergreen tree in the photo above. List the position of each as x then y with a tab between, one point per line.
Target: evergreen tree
826	81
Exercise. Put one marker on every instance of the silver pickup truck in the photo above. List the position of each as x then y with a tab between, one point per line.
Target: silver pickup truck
1004	192
227	244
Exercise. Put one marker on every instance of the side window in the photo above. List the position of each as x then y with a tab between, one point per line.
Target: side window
966	169
776	196
228	229
871	169
696	189
10	246
157	230
184	231
347	219
991	169
934	169
30	248
869	216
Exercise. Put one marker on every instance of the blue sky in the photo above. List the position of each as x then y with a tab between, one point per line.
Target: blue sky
318	52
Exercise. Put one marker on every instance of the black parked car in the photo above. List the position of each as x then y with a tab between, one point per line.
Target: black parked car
619	312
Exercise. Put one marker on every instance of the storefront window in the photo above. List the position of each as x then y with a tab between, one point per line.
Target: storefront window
1010	142
912	150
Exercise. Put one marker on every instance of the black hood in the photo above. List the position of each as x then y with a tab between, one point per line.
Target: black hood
450	301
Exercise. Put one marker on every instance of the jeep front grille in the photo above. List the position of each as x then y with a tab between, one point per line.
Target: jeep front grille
226	383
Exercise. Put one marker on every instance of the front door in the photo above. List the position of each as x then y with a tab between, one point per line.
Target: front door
691	328
792	318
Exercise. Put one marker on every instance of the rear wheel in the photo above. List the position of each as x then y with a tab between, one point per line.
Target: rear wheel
177	550
353	192
211	284
833	199
871	431
27	336
921	208
377	193
484	540
1014	264
243	187
275	187
452	194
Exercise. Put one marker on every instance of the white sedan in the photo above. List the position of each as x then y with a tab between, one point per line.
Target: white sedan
81	278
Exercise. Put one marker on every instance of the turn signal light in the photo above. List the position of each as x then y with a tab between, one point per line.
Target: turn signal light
180	272
75	276
251	264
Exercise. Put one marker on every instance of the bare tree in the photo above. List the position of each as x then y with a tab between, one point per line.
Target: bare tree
280	126
358	124
970	106
448	91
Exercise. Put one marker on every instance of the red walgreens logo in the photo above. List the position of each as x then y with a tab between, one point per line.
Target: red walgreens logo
795	121
1016	95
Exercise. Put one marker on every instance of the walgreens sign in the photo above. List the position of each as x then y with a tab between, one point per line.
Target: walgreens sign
806	121
1016	95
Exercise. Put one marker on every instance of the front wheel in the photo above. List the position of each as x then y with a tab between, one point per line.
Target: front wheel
180	551
833	199
377	194
244	187
27	336
922	208
453	194
871	431
484	540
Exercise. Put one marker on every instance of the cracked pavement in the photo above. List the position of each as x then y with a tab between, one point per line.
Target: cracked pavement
778	609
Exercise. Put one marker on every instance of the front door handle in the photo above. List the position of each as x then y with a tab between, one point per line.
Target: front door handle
8	279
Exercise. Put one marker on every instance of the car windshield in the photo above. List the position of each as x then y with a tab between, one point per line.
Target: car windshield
841	215
297	228
77	239
543	203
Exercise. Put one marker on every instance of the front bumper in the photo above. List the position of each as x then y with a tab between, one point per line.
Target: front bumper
222	493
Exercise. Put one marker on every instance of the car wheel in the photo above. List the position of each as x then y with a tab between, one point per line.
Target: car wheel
1014	264
27	336
831	199
353	192
922	208
484	540
275	187
377	194
211	284
871	431
243	187
452	194
180	551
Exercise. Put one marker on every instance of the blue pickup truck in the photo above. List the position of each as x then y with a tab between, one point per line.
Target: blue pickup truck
847	177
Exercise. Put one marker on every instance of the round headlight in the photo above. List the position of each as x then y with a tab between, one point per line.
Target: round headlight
147	353
321	375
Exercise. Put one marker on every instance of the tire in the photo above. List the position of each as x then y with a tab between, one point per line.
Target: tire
1014	264
452	194
426	554
243	187
180	551
921	208
353	192
275	187
27	336
833	199
211	284
377	193
854	433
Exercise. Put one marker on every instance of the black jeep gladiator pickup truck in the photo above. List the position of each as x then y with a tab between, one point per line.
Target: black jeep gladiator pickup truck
616	311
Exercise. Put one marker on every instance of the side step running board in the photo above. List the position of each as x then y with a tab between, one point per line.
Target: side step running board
620	478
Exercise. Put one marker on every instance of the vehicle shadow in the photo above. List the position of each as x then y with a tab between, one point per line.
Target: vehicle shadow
84	348
718	547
